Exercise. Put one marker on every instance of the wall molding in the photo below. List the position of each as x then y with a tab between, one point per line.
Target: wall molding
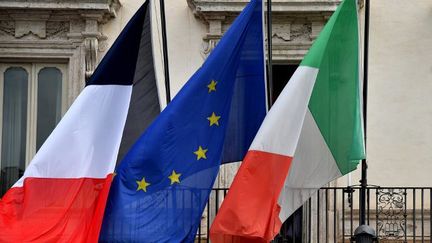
295	23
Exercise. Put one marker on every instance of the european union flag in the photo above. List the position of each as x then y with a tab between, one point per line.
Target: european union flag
163	183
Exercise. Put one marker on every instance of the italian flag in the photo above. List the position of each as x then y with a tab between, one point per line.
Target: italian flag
312	135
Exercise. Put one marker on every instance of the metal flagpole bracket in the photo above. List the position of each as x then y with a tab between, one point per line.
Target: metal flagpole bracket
364	234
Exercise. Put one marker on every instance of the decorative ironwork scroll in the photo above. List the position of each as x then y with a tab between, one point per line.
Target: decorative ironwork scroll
391	213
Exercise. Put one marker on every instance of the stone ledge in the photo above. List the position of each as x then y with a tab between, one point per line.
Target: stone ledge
208	7
106	5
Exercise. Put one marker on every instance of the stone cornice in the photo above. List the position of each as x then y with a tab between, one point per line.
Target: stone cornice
104	8
209	8
59	5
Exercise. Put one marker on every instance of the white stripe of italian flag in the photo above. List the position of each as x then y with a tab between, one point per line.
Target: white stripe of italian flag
312	135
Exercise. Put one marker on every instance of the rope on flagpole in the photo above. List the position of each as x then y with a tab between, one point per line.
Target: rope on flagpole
269	55
165	52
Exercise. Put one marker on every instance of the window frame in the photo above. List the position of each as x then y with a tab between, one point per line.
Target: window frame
33	69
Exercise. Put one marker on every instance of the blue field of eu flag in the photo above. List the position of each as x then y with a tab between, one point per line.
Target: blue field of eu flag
163	183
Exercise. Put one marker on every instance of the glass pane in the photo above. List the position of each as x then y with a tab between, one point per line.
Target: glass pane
13	150
48	103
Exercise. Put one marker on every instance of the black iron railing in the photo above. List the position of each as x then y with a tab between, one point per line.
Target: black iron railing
398	214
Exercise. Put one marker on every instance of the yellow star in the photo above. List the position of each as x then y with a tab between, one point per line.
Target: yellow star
201	153
212	86
142	185
114	174
214	119
174	177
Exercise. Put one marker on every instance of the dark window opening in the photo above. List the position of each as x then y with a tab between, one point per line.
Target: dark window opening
281	76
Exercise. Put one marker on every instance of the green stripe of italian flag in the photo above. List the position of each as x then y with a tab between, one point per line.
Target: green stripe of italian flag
312	135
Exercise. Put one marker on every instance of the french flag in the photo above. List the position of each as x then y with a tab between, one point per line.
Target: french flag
62	195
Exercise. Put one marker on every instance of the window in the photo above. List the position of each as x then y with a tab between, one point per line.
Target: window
32	103
281	75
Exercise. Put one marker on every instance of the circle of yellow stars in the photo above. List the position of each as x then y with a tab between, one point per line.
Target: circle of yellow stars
201	153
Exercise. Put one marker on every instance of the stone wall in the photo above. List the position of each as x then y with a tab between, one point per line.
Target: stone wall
67	32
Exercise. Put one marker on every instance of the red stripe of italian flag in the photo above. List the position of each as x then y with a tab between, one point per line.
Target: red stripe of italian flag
312	135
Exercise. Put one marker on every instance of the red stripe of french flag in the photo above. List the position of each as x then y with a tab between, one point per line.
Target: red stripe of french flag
54	210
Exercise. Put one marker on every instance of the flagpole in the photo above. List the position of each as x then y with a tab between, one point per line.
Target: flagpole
165	52
364	233
269	55
363	181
